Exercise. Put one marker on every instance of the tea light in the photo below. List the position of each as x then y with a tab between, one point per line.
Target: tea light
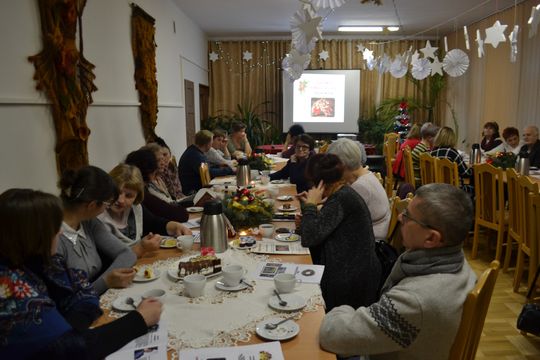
242	233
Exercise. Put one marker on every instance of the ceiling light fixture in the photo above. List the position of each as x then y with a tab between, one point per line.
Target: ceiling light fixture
392	28
368	28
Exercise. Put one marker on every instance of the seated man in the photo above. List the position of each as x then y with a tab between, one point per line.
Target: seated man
288	147
191	160
531	149
428	131
219	155
419	311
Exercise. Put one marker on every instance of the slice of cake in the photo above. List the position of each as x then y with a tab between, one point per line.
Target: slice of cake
202	264
148	273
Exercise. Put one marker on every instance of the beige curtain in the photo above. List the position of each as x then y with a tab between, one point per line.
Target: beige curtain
493	88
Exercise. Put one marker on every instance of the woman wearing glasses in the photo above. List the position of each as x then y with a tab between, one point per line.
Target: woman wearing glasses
294	170
85	242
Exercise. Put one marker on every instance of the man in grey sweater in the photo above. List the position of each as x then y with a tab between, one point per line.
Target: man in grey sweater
419	311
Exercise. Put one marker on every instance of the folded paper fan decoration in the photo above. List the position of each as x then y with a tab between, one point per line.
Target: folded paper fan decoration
306	29
398	69
332	4
294	64
456	62
421	68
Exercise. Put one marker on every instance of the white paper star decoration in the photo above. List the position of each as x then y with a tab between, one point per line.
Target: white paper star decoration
480	43
247	55
513	37
421	69
360	48
436	67
429	51
495	34
323	55
534	20
213	56
306	29
367	54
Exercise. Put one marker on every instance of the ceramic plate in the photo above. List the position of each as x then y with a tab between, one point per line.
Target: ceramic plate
287	237
284	198
173	270
221	286
194	209
277	182
235	244
294	302
168	243
120	303
287	330
139	277
291	208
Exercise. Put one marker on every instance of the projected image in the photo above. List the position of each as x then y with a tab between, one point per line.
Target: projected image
323	107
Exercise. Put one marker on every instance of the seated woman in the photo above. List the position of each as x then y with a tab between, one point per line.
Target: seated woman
47	307
157	185
511	143
444	146
364	182
238	145
413	139
288	147
294	169
128	220
169	171
339	235
146	162
491	137
85	242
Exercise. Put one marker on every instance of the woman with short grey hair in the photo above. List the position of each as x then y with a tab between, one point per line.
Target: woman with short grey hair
364	182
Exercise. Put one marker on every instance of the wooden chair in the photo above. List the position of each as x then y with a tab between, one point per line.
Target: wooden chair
392	139
379	177
514	217
489	209
529	244
393	236
204	173
409	169
446	171
427	168
390	148
473	316
534	231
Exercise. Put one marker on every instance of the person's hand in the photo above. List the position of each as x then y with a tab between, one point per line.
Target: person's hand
151	242
180	229
120	278
302	196
150	310
315	194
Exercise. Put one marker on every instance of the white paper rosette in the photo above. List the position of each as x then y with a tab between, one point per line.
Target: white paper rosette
456	62
332	4
294	64
306	29
399	67
421	68
384	64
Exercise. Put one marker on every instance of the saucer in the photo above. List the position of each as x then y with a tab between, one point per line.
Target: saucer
294	302
287	237
287	330
284	198
120	303
235	244
167	243
221	286
194	209
292	208
277	182
139	277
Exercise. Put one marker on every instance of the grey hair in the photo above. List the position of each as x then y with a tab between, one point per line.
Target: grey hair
351	153
428	129
447	209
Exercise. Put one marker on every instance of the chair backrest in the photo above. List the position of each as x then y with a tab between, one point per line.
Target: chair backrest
474	314
394	235
526	186
489	194
388	162
409	168
514	209
446	171
204	173
534	229
379	177
390	139
427	168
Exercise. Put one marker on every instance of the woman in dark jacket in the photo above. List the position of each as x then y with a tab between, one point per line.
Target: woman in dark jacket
294	170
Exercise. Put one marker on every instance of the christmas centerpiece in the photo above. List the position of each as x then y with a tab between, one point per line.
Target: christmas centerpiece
503	160
245	209
260	162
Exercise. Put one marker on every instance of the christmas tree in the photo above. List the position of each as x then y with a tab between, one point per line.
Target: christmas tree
402	124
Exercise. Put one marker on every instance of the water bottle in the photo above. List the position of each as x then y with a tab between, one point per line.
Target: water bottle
213	227
522	165
243	174
476	155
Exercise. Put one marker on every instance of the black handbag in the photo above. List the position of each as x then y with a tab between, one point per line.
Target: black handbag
387	255
529	318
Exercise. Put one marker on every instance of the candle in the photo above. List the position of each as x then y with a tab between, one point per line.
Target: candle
242	233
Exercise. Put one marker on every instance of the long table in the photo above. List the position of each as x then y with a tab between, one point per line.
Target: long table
306	344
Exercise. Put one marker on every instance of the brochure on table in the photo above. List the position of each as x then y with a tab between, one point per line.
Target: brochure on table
151	346
269	350
192	223
274	247
310	274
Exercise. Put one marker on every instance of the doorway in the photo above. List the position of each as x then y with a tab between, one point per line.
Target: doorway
190	112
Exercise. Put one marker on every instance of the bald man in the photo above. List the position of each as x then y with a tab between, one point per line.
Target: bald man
532	145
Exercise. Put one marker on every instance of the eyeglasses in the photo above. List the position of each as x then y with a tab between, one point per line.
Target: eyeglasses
405	214
302	147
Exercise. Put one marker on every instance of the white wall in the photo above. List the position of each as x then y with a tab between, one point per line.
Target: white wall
27	136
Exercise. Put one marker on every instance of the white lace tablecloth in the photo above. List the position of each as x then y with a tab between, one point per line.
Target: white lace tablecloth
218	318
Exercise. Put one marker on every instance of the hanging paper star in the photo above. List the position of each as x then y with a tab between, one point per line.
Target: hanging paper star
323	55
415	56
306	29
368	55
429	51
513	43
480	43
247	55
360	48
495	34
213	56
534	20
436	67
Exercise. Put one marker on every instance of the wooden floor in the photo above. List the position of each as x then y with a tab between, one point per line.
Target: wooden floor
500	338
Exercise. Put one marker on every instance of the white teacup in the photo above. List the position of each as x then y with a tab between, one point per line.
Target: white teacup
194	285
232	274
265	179
154	293
185	242
285	283
266	230
254	174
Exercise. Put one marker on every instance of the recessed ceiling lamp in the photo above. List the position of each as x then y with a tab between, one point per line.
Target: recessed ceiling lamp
367	28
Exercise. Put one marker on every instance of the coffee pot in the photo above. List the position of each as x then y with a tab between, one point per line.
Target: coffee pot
243	174
522	164
476	155
213	227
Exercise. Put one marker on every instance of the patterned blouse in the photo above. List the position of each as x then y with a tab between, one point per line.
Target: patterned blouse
170	178
452	155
